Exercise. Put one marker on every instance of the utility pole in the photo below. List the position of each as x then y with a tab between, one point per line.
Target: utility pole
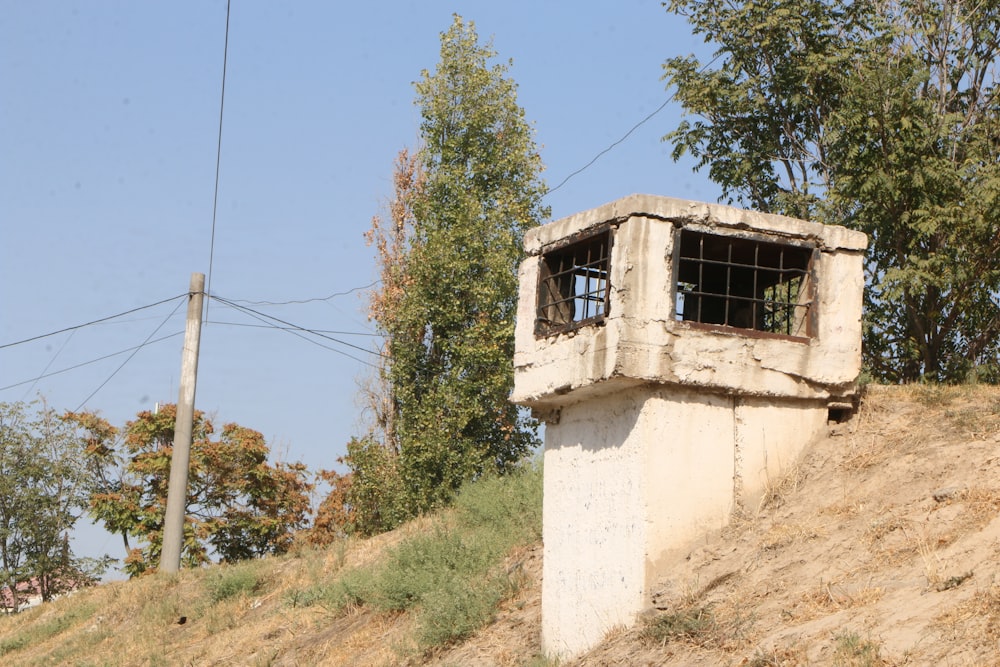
173	520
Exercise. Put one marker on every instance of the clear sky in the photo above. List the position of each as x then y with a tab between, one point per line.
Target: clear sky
109	120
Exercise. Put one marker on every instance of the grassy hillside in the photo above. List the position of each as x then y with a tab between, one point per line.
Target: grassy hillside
880	547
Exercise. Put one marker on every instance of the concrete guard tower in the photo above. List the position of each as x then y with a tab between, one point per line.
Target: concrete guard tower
681	355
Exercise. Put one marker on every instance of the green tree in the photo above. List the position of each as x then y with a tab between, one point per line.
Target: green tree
238	504
878	115
42	494
448	259
451	344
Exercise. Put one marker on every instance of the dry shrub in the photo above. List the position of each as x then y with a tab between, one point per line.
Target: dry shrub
875	451
616	631
850	650
831	597
695	625
899	545
784	534
845	509
776	492
784	656
973	421
880	527
931	395
975	621
723	625
982	506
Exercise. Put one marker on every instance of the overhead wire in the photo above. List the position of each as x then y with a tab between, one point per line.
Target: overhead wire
131	356
49	365
635	127
92	322
272	326
300	301
299	330
218	157
92	361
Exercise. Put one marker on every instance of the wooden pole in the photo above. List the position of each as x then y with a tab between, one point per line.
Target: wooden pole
173	520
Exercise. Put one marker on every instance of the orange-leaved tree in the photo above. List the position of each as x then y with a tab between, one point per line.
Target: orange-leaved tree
239	505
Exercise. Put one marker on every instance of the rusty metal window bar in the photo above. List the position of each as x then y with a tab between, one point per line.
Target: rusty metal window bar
573	284
744	283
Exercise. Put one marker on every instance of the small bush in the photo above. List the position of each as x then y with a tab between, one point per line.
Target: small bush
230	582
15	643
458	608
452	577
694	624
510	503
852	651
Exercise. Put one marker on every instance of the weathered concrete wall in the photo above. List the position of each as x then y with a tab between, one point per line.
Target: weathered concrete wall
634	477
656	429
593	574
770	436
640	341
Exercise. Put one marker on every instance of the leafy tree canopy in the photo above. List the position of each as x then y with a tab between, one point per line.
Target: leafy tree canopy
239	505
43	492
881	115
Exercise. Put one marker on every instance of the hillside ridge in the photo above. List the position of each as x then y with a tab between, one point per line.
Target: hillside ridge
880	546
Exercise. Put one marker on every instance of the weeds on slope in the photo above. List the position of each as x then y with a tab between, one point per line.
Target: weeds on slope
452	577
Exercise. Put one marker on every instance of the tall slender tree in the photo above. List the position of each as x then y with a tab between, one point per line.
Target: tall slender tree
448	258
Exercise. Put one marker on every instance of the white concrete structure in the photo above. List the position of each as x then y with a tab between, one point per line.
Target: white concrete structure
681	355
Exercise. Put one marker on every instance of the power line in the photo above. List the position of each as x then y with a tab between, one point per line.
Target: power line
135	352
298	301
92	361
296	330
87	324
49	365
319	331
608	149
218	156
627	134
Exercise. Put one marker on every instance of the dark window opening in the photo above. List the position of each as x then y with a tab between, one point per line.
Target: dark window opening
744	283
573	285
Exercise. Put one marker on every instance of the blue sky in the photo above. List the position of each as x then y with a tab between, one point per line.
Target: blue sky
109	118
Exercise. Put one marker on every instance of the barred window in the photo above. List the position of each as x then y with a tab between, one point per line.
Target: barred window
745	283
573	284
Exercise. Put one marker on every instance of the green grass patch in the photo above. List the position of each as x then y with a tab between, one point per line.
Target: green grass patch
235	580
40	632
452	577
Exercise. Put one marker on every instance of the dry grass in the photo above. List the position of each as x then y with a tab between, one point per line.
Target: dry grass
852	558
982	505
975	621
872	451
773	656
783	535
830	597
777	492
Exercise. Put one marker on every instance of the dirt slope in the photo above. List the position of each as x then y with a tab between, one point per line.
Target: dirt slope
884	541
881	547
